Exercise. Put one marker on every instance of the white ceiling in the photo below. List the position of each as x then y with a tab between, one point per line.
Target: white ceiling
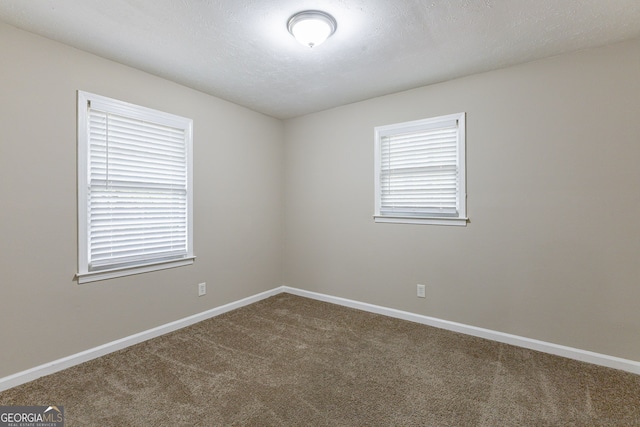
240	50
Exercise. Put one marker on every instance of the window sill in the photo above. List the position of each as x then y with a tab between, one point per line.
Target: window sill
94	276
462	222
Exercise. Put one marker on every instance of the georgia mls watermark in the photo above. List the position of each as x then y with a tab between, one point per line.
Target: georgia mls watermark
31	416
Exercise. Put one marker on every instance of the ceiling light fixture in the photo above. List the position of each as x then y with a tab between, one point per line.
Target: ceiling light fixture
312	27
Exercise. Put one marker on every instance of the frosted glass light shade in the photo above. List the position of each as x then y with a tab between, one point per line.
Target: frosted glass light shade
311	27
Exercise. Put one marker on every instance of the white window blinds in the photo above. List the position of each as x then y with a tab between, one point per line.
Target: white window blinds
137	198
420	169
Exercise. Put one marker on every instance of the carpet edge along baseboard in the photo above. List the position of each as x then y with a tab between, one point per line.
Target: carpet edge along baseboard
519	341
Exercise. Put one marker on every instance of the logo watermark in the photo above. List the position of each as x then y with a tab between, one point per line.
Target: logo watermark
31	416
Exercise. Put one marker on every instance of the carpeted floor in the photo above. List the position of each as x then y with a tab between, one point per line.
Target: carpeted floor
292	361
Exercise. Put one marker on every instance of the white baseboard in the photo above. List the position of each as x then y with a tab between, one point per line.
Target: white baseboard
545	347
93	353
558	350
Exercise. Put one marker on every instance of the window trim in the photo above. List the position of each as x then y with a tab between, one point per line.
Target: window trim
84	275
381	131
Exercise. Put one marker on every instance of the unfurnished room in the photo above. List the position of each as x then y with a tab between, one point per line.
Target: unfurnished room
319	213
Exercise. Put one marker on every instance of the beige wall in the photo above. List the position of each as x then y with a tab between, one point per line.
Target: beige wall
553	176
238	179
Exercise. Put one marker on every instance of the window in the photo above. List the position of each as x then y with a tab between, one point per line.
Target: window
420	171
134	189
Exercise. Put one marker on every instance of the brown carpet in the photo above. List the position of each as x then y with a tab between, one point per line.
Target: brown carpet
294	361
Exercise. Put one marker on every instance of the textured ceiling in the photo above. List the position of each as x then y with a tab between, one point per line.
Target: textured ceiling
240	50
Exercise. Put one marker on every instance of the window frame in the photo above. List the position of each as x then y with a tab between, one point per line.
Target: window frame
84	99
460	219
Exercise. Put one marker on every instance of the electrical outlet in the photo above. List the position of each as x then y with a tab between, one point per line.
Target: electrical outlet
202	289
421	291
